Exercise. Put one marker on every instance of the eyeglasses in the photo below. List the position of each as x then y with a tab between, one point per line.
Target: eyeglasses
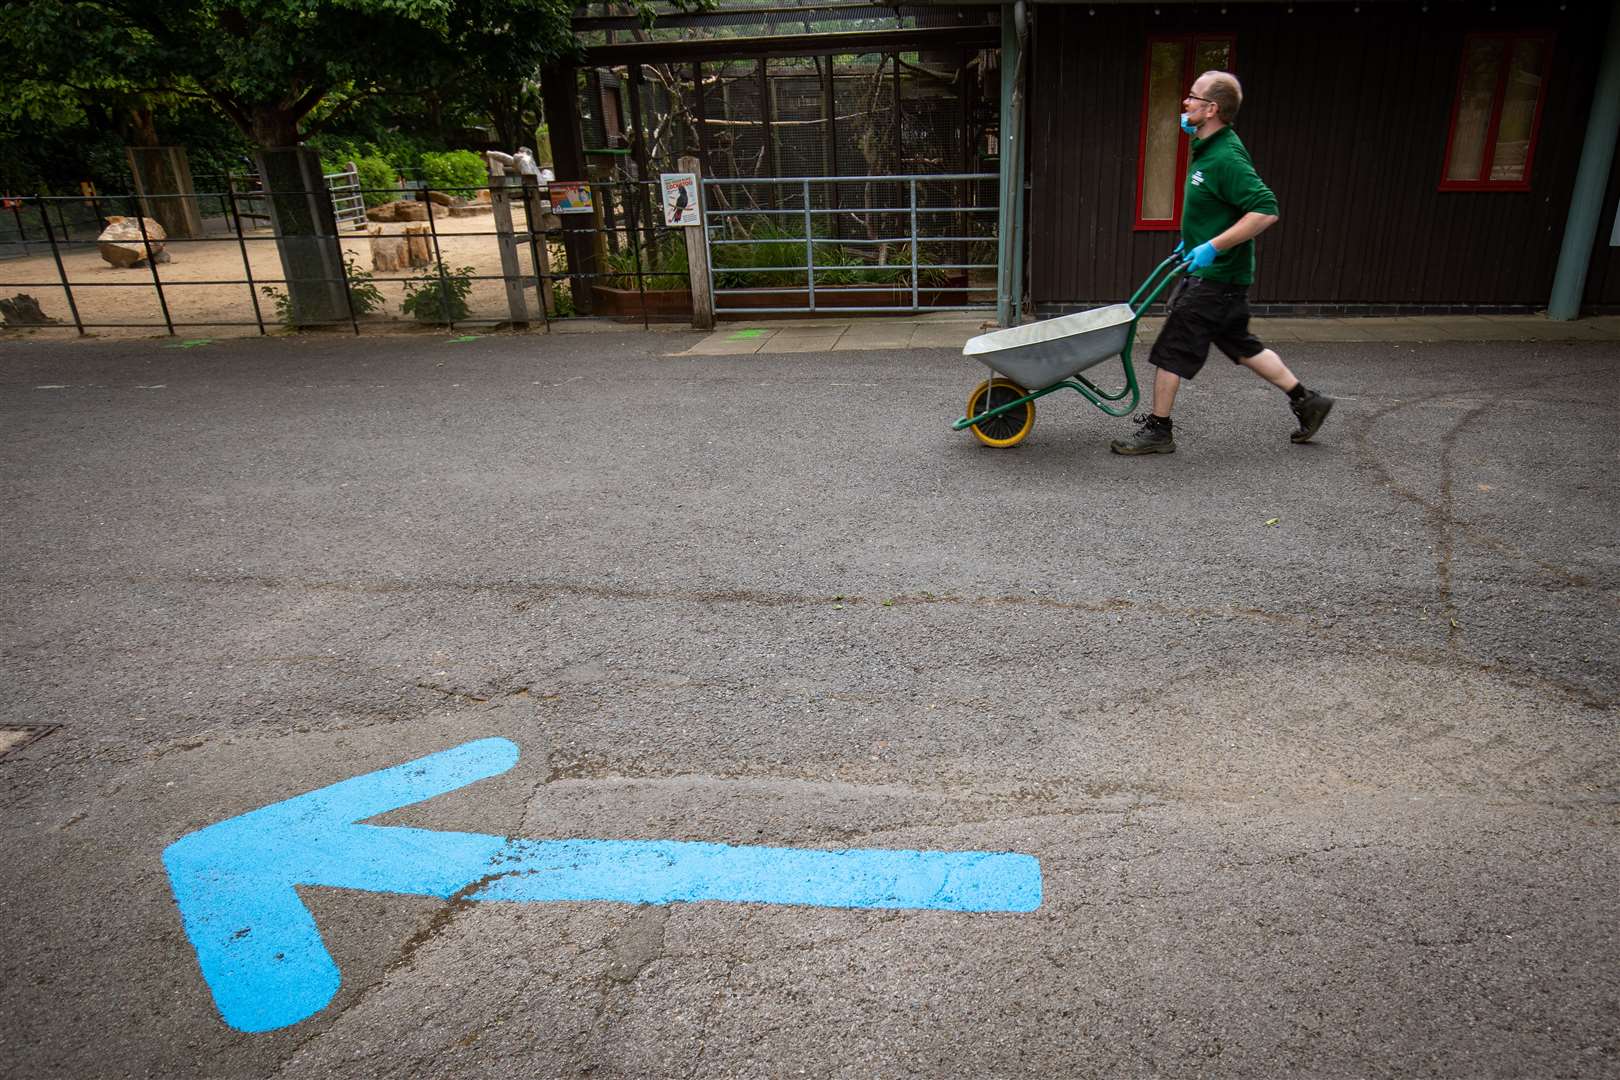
1205	100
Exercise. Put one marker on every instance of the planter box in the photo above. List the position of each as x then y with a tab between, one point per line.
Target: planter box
833	297
661	303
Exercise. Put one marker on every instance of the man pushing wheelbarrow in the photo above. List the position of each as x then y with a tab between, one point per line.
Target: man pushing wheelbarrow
1225	207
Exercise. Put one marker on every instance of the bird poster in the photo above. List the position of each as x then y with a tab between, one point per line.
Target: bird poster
680	198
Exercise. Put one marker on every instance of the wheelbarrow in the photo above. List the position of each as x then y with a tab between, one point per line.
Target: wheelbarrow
1050	355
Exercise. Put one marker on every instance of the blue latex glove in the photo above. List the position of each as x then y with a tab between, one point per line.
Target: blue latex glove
1201	256
1180	244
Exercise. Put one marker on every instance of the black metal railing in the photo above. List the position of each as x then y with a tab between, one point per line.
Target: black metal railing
621	243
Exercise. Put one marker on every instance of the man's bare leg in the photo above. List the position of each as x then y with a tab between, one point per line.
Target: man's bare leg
1266	364
1165	385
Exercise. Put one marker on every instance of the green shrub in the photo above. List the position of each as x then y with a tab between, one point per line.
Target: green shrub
459	172
379	180
438	295
364	296
562	302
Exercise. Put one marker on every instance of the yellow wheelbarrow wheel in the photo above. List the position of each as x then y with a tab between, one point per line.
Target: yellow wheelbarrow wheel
1011	427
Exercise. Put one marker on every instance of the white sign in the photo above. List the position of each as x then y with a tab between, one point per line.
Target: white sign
680	198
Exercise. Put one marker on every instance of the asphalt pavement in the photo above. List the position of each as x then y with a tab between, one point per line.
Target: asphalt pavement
1318	747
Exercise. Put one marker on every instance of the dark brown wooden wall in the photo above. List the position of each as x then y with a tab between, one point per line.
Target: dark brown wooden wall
1346	116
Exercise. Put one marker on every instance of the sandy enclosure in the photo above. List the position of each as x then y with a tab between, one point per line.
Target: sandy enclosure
127	302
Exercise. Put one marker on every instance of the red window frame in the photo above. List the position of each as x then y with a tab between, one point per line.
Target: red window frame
1499	97
1191	42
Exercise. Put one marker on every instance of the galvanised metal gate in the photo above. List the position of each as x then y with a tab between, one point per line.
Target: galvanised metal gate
808	244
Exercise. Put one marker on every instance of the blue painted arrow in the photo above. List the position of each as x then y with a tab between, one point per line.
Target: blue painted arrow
262	955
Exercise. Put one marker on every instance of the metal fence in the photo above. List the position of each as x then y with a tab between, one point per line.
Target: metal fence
872	244
621	262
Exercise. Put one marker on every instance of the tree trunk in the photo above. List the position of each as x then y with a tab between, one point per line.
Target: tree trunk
139	128
306	235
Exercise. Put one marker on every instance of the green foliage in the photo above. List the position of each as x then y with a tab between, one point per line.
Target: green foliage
438	295
379	180
459	172
364	296
363	292
562	302
668	255
781	244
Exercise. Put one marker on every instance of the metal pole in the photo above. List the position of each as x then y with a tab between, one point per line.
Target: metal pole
247	267
151	264
914	303
809	248
1009	269
57	254
1591	176
438	257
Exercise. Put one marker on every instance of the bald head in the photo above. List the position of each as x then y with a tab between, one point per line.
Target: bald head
1224	90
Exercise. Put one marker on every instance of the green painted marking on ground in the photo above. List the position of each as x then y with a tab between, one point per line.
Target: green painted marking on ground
744	335
192	344
464	337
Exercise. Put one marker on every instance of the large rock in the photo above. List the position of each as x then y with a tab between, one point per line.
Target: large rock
399	210
120	242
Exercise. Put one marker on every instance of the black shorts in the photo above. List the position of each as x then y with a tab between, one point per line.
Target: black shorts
1204	313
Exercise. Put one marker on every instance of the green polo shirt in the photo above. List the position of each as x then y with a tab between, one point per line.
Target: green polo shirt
1222	186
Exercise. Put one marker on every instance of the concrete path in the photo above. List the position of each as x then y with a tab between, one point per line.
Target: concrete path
770	337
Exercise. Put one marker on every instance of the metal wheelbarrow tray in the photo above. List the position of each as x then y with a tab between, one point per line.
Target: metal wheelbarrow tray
1039	354
1031	361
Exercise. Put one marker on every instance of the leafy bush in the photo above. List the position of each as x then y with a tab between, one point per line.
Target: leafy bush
379	180
363	292
562	302
438	295
364	296
459	172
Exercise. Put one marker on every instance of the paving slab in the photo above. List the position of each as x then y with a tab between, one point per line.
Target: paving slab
877	337
785	342
1532	328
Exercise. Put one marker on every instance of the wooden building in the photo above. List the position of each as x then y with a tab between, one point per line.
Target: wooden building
1423	153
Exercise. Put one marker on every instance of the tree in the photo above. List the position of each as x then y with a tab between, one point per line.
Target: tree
270	64
278	68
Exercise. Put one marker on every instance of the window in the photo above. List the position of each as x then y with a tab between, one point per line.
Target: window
1497	112
1172	65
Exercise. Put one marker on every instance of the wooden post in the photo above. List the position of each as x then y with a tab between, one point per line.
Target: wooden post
697	254
500	201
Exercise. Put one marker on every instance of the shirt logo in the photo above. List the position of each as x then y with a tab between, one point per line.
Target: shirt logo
1197	177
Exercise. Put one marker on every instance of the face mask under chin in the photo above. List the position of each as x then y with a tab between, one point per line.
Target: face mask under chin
1188	126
